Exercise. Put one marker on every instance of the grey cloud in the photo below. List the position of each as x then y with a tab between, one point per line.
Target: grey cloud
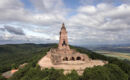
91	2
49	5
107	25
10	4
17	31
113	30
2	29
18	13
102	23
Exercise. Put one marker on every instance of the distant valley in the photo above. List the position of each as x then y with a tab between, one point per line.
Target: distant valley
118	55
121	51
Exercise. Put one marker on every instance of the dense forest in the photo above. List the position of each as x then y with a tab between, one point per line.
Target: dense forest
14	55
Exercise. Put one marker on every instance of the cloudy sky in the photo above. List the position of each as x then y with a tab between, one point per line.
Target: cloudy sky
88	22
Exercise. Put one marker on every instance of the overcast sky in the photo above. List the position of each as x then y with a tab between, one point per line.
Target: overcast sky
88	22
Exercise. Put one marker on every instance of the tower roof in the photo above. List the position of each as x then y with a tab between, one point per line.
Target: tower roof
63	26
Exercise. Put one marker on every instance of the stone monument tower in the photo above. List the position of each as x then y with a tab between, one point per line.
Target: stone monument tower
68	59
63	42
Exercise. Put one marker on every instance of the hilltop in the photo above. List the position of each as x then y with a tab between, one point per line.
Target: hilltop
12	55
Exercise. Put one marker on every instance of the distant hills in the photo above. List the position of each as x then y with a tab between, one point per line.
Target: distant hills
125	48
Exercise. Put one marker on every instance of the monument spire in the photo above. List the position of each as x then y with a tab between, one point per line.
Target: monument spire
63	42
63	25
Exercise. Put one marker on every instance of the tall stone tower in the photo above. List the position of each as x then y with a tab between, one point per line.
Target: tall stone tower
63	42
68	59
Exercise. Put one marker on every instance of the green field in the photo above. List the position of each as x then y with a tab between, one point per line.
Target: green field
118	55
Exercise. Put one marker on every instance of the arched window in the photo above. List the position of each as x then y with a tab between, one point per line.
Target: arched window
78	58
65	59
72	58
64	43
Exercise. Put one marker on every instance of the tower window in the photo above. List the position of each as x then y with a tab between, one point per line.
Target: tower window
64	43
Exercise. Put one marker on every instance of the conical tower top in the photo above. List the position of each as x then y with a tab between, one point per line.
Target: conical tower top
63	26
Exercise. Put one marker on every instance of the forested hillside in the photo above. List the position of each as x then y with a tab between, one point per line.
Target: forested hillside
13	55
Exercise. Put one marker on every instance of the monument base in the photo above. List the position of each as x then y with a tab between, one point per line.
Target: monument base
68	61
